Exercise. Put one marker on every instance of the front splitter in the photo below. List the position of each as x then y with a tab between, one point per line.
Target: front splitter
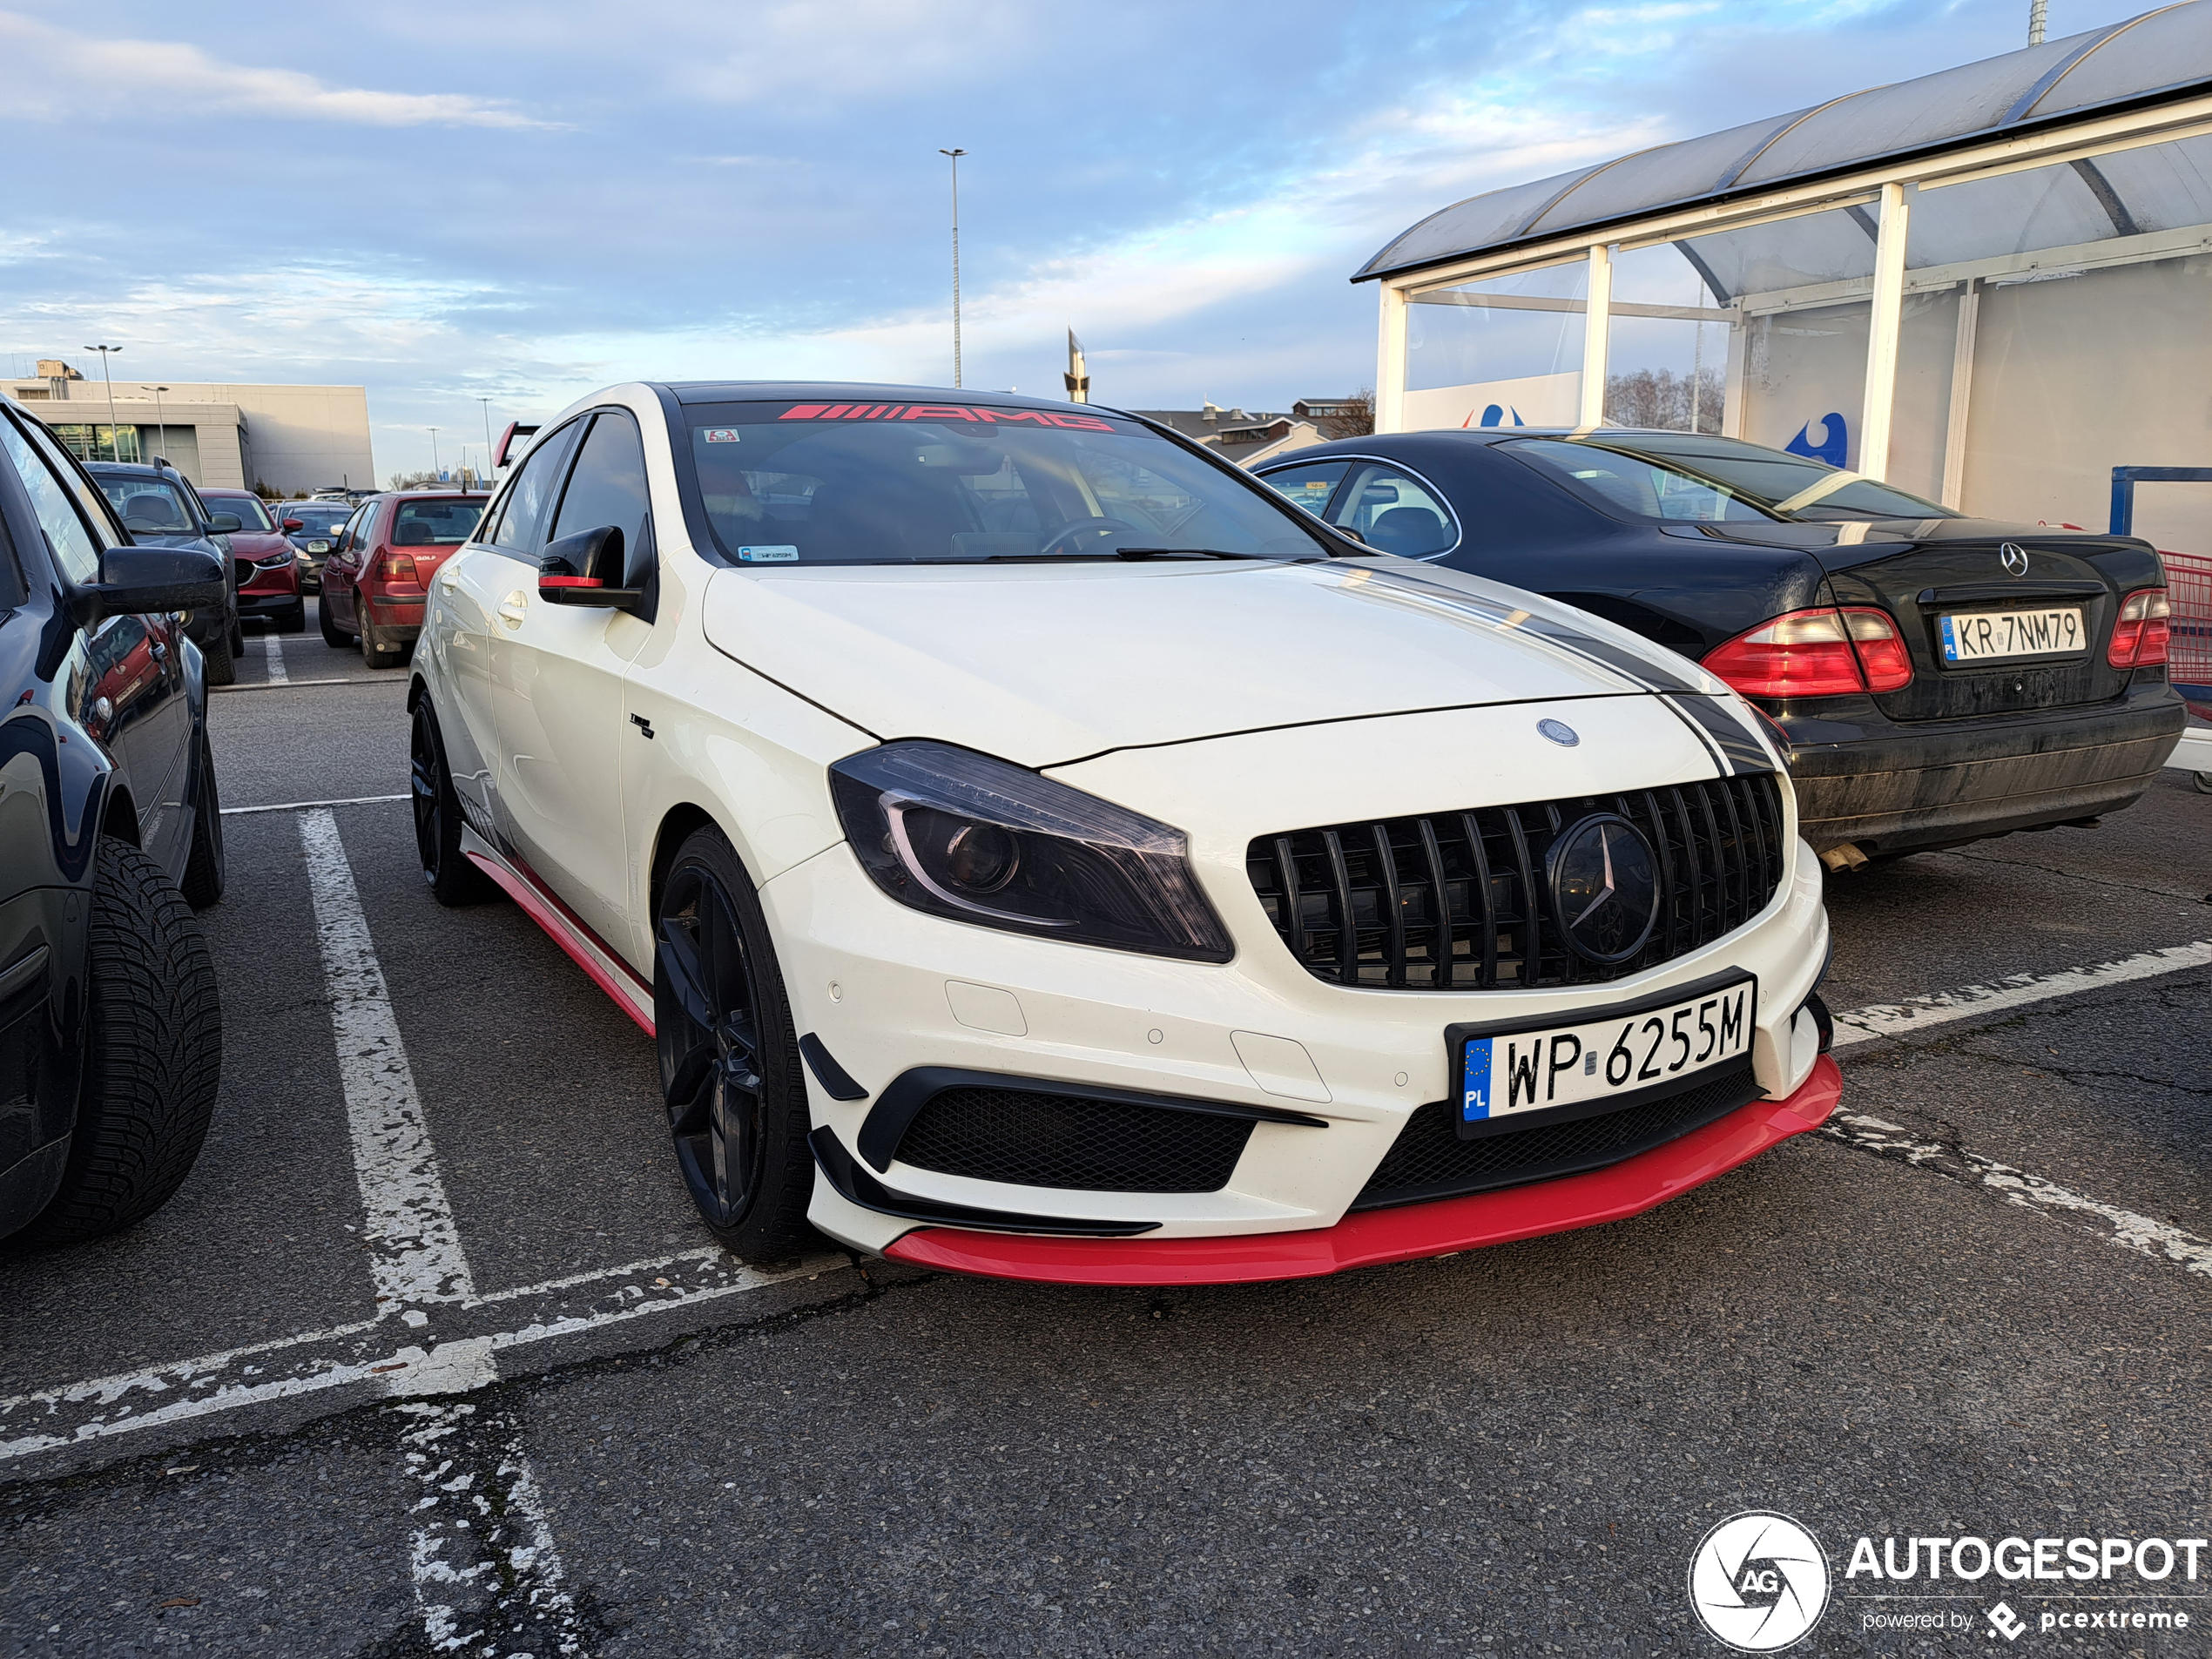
1406	1233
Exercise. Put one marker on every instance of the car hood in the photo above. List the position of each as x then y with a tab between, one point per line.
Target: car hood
1046	664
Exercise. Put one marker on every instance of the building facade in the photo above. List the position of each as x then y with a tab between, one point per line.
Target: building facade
290	439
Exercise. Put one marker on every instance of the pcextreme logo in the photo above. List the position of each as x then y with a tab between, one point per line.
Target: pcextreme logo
1758	1582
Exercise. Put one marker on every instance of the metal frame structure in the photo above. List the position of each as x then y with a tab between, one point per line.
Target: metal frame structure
1879	193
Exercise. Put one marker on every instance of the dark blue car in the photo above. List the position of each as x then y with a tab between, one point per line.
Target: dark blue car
1937	678
110	835
159	507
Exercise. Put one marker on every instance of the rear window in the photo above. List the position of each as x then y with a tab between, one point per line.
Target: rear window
842	483
316	520
1663	476
148	506
436	524
251	514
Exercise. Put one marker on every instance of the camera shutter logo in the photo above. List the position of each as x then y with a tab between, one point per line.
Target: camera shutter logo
1758	1582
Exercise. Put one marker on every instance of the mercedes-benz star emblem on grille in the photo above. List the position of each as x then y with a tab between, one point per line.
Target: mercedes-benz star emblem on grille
1559	733
2015	557
1604	887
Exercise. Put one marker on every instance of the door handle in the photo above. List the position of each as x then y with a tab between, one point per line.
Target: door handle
447	580
511	608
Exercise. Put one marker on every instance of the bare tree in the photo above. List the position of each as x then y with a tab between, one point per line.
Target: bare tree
1661	399
1355	417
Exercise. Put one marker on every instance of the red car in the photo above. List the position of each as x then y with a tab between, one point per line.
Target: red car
269	565
378	571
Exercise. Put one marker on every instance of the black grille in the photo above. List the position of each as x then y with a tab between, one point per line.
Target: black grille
1357	906
1429	1160
1036	1140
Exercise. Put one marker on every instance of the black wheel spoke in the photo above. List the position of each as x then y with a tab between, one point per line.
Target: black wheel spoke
679	959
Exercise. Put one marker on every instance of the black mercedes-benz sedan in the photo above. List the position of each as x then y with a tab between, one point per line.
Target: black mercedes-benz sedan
1938	678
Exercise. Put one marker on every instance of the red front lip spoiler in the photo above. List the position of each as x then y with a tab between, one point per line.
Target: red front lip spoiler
1406	1233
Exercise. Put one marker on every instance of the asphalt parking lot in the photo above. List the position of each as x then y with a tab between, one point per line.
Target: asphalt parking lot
429	1355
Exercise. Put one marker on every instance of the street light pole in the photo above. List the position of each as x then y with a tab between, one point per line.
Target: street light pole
433	455
160	420
105	353
487	403
955	155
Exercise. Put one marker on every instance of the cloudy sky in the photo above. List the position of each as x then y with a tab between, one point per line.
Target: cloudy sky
446	202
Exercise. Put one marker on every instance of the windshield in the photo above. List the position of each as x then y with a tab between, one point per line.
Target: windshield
841	483
316	521
149	506
436	524
251	514
1665	476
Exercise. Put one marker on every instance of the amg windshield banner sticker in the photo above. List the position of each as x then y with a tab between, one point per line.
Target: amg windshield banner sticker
944	412
722	434
1723	732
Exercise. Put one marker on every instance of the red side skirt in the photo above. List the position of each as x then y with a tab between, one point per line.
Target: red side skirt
1402	1234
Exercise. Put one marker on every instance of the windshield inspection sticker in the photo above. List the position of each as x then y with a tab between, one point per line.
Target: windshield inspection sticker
768	555
721	434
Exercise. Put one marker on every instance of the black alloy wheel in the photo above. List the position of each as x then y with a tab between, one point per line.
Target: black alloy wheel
453	879
729	1059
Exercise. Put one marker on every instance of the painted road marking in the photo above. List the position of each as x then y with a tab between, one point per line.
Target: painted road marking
481	1526
2122	1227
271	685
414	1249
375	1351
276	660
1970	1001
306	805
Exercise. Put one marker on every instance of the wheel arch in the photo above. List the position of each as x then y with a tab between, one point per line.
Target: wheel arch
677	825
119	814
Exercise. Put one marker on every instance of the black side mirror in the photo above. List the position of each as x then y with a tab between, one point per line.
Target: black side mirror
225	523
586	570
137	579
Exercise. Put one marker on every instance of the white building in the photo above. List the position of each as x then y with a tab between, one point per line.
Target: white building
220	435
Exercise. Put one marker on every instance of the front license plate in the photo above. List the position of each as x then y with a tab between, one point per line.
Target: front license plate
318	547
1613	1056
1991	636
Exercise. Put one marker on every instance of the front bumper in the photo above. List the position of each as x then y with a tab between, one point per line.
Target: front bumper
1407	1233
886	990
255	602
1896	788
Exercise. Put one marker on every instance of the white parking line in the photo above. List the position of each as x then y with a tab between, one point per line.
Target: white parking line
303	805
414	1250
2122	1227
1969	1001
498	1517
276	660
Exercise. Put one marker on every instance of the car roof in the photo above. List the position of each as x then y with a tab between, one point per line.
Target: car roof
691	392
433	495
1487	435
131	470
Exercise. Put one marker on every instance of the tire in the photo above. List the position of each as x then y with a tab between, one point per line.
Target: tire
2204	783
333	636
154	1055
203	865
453	879
731	1076
221	657
238	639
374	652
294	621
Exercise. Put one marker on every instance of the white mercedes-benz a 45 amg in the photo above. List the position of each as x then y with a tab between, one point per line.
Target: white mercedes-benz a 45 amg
1039	850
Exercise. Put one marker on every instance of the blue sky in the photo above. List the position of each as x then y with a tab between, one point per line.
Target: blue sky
444	203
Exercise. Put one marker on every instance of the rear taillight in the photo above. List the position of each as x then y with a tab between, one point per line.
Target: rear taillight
1827	652
2141	636
401	568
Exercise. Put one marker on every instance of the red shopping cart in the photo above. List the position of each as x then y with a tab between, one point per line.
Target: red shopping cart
2188	588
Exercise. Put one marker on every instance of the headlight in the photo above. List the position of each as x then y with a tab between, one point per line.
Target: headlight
971	838
276	561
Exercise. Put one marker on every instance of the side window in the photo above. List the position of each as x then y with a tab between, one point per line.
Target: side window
1311	486
75	550
522	525
350	531
607	486
106	526
1395	513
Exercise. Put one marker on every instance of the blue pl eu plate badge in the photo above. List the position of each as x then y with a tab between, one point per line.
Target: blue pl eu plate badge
1474	1083
768	555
